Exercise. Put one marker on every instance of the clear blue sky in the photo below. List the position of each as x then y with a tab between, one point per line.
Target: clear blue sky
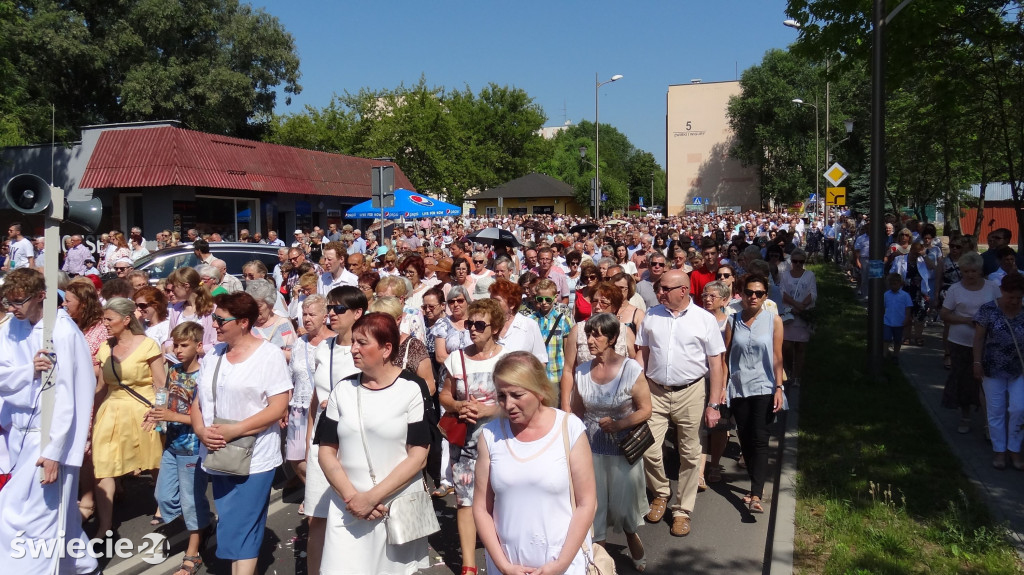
550	49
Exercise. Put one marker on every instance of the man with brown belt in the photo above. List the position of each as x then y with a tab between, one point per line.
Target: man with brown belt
678	342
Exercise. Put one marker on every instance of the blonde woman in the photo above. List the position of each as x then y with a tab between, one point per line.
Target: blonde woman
523	497
411	353
189	300
131	369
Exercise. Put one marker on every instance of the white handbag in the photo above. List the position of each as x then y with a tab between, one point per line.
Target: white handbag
410	516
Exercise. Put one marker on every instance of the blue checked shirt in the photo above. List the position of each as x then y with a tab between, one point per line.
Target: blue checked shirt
557	325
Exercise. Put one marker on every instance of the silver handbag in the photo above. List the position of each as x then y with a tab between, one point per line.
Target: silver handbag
410	516
235	458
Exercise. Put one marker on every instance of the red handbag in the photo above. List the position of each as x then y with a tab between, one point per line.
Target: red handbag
452	428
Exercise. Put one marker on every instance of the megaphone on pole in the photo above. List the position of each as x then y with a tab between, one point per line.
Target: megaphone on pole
30	194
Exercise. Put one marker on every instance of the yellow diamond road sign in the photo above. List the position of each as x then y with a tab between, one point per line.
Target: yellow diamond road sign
836	174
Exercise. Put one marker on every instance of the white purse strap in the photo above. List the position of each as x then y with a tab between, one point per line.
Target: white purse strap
362	432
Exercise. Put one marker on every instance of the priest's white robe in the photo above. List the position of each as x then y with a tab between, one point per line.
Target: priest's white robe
30	510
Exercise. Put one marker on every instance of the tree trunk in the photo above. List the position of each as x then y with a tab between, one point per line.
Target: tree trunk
980	217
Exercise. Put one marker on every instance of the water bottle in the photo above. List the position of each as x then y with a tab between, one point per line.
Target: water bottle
161	401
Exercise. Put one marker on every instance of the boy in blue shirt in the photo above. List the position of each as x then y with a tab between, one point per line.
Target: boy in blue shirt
181	485
897	312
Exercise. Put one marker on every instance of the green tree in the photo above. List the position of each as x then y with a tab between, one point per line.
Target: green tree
773	135
216	65
643	170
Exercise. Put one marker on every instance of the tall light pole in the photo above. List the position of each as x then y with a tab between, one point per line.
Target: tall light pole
597	139
817	152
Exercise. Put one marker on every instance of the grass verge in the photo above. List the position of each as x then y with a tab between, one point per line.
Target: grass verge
879	490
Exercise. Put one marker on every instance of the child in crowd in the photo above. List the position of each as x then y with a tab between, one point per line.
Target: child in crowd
555	325
181	485
897	312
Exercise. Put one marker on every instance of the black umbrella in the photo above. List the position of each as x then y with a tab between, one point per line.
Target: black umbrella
587	228
493	236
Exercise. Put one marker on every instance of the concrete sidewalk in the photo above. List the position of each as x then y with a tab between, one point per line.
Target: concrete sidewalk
999	489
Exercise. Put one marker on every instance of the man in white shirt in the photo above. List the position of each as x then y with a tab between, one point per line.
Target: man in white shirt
680	345
335	273
273	240
23	254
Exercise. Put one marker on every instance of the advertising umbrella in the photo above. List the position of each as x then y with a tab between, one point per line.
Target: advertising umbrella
493	236
408	204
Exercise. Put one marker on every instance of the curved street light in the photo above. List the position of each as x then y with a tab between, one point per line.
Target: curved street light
817	154
597	140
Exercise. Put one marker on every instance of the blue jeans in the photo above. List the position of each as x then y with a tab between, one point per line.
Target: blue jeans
181	490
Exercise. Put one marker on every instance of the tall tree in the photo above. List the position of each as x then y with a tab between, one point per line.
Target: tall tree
216	65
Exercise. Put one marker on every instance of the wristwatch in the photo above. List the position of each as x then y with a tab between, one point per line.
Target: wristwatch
715	406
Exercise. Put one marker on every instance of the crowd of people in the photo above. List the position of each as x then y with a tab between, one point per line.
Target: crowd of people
514	376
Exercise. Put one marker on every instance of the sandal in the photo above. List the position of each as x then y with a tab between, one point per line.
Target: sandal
755	505
701	484
468	570
196	562
640	564
442	492
156	520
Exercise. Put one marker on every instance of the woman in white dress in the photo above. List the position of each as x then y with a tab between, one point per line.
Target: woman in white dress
345	305
799	292
523	502
384	410
611	397
469	391
302	367
606	299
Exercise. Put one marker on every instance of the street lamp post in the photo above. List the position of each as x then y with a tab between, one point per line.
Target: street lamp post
597	139
817	153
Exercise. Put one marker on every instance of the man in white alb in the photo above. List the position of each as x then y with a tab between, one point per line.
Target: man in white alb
38	503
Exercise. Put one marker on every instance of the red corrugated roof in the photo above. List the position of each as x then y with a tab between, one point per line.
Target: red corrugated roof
170	156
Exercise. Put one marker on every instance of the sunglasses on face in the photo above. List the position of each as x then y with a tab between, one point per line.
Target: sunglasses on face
479	261
657	264
723	276
477	325
121	269
544	299
665	289
337	308
143	306
220	321
458	300
429	308
801	262
755	293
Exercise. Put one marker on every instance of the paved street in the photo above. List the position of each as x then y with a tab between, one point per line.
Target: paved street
725	538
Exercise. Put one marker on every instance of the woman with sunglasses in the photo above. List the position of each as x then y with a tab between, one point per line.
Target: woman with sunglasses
151	309
607	299
799	292
754	392
244	383
450	333
631	312
589	278
727	275
345	305
189	300
573	277
131	369
469	391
